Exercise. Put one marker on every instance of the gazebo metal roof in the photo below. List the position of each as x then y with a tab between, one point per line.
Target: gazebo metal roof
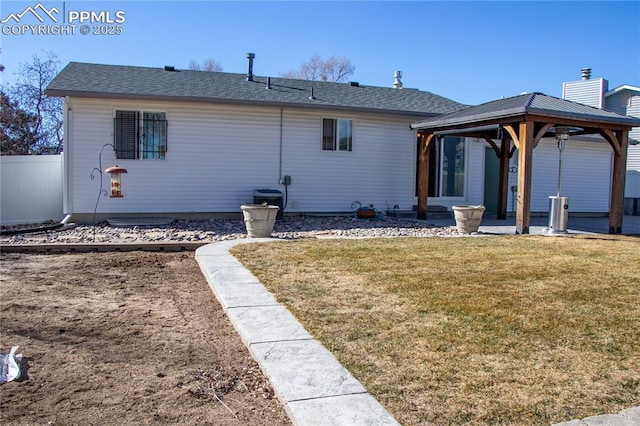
537	104
526	119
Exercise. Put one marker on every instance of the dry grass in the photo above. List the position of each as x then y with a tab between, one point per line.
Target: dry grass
501	330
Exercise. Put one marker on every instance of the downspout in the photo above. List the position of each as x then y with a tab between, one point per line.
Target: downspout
280	169
282	180
67	112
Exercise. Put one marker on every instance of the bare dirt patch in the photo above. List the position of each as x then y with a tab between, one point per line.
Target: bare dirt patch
124	338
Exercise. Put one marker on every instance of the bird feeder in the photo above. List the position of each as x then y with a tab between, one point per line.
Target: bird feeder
116	181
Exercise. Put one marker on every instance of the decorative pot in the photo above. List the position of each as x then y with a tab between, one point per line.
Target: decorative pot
366	212
468	218
259	219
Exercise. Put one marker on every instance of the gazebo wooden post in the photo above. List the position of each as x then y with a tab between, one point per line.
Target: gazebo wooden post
503	183
525	157
616	209
423	172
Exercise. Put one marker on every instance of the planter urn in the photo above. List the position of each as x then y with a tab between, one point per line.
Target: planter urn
259	219
468	218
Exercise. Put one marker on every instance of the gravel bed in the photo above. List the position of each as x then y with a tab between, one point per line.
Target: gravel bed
294	227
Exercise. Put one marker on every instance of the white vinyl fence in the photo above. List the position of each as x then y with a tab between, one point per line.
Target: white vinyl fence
30	189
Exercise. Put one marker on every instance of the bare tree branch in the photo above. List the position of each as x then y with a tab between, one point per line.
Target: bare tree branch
332	69
17	128
207	65
28	93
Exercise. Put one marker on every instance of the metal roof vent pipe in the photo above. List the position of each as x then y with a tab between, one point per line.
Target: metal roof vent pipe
586	73
268	83
312	97
397	83
251	57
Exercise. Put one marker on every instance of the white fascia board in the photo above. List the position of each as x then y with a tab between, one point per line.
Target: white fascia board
621	88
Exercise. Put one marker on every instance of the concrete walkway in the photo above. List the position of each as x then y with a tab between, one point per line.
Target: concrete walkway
314	388
538	225
312	385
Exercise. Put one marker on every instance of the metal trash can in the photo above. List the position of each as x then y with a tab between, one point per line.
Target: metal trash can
558	214
272	197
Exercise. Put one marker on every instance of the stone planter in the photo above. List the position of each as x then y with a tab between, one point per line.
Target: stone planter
259	219
468	218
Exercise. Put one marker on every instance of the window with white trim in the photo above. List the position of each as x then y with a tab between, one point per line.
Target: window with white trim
140	135
337	134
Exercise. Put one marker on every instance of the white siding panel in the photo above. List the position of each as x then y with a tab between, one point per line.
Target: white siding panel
633	109
214	159
218	155
475	171
633	158
632	184
632	188
380	170
588	92
586	175
627	102
616	102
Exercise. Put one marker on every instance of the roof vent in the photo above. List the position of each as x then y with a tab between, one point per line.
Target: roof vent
354	84
312	97
169	68
268	83
586	73
397	83
250	57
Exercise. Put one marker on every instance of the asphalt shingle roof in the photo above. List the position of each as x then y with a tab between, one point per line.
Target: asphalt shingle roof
117	81
529	103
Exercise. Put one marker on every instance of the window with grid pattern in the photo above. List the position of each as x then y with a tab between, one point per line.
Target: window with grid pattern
140	135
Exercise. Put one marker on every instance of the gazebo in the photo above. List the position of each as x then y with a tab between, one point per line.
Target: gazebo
525	120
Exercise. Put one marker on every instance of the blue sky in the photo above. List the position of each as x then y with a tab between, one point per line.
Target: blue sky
471	52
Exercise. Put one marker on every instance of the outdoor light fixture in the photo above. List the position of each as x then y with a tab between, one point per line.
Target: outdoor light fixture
116	182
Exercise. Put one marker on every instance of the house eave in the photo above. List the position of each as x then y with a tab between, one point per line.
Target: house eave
621	89
220	101
621	122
